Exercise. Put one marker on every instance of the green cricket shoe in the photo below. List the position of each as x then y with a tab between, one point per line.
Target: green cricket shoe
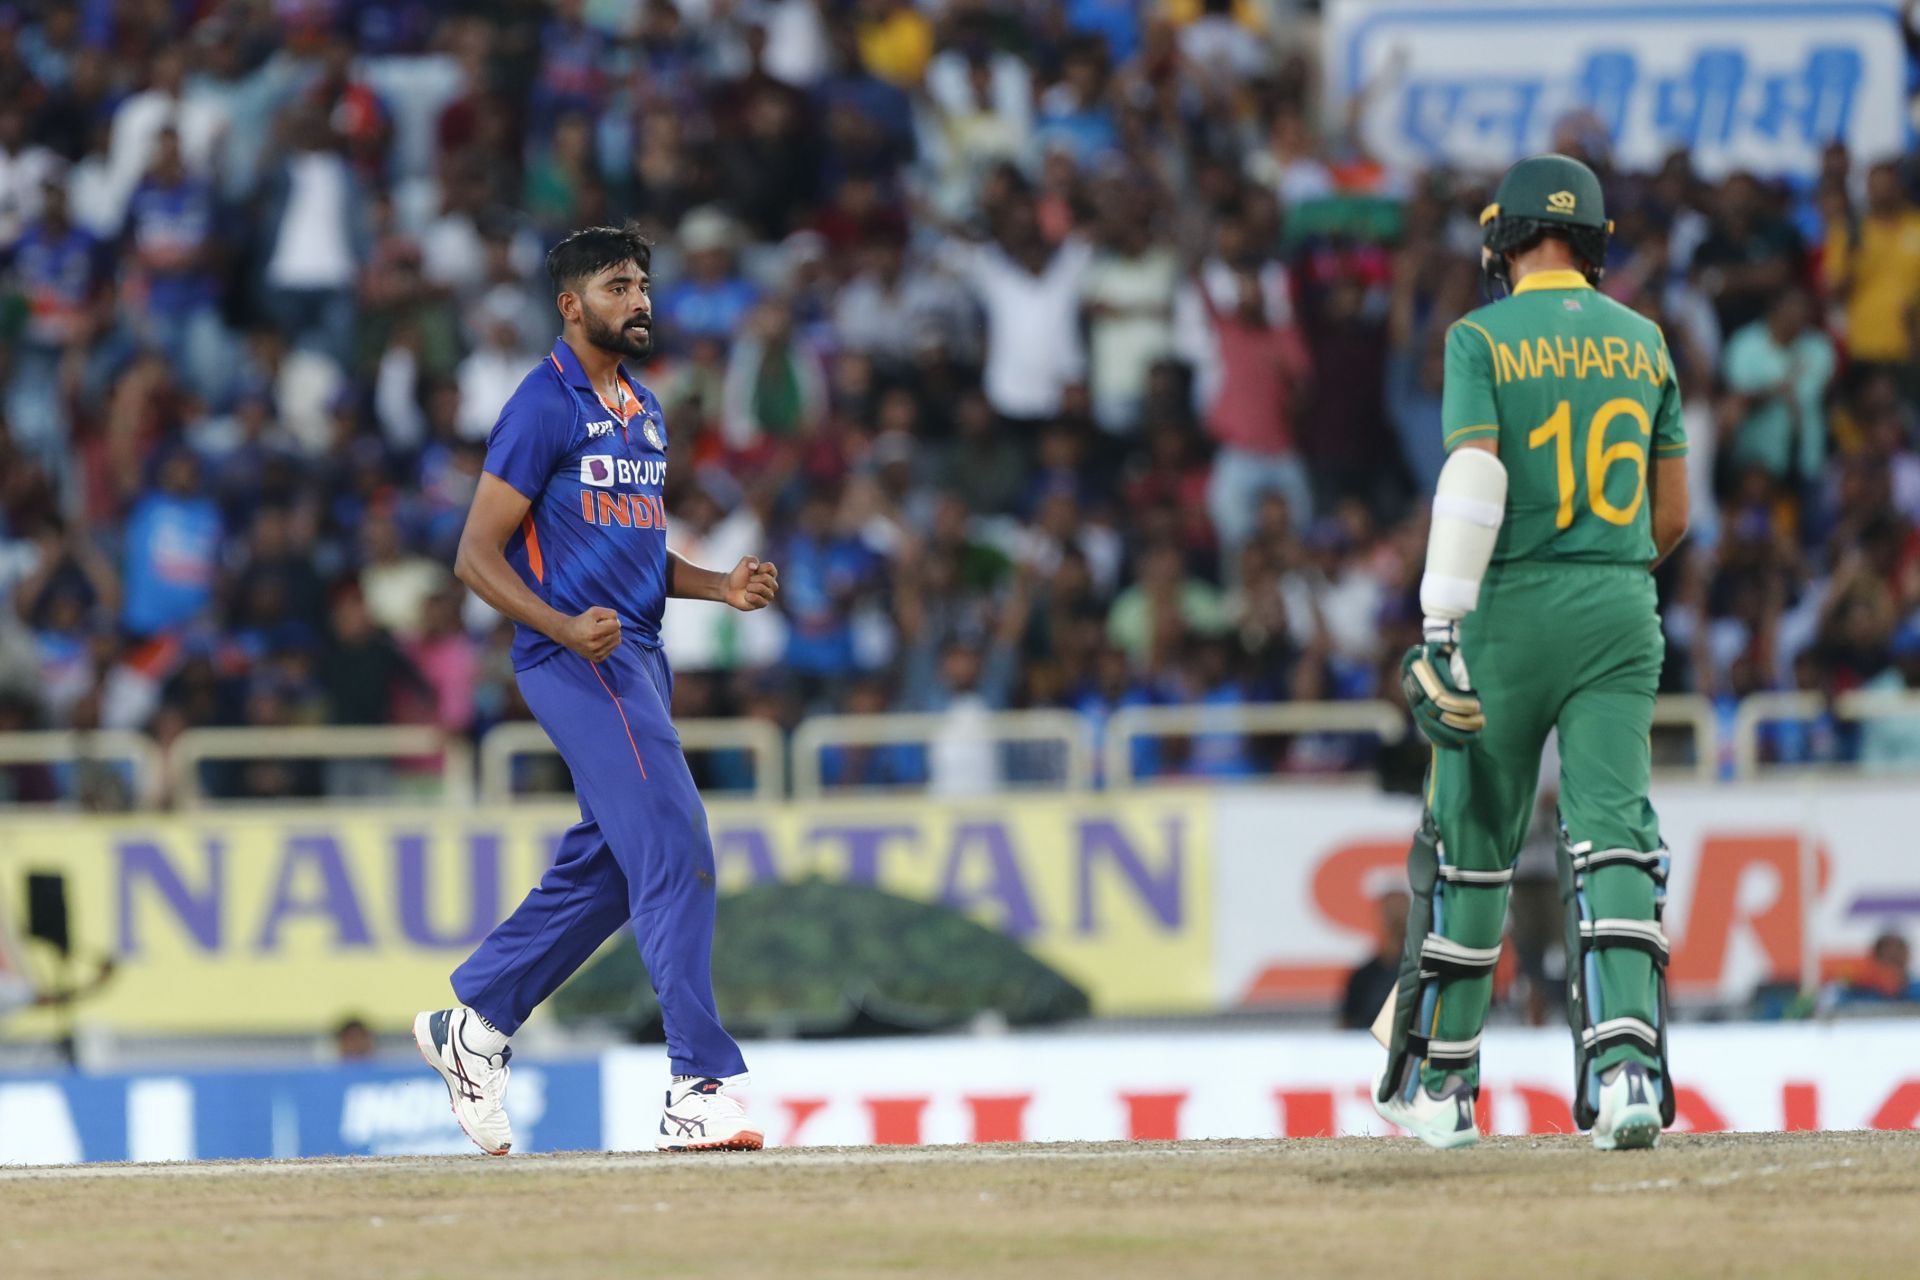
1629	1111
1442	1120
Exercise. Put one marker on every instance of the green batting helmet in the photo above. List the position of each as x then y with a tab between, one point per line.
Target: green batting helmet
1546	195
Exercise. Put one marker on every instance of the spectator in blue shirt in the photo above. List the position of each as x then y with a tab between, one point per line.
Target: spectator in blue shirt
1115	21
822	573
60	271
713	299
570	76
1209	681
172	550
1075	114
172	237
869	123
1112	687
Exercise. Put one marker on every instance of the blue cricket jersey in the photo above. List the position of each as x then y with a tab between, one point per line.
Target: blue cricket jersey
595	474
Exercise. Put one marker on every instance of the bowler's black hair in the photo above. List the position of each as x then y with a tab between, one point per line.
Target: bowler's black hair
591	250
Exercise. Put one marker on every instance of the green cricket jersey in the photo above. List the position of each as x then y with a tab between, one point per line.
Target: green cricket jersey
1579	390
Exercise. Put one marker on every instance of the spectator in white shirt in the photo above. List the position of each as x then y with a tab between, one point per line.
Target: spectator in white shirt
982	116
1226	53
1129	303
24	169
893	312
312	266
491	372
1030	293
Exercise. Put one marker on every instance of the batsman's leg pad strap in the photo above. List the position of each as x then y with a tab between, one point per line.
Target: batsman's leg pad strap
1654	863
1447	958
1459	1055
1489	879
1602	1036
1641	935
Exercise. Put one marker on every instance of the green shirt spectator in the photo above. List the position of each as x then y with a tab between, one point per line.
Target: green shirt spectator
1164	596
1780	366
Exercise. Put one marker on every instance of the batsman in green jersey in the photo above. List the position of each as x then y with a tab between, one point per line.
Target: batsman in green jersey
1565	483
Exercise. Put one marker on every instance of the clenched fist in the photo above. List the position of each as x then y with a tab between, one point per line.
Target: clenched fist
753	584
593	634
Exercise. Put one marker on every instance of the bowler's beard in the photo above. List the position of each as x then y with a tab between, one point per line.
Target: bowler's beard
634	344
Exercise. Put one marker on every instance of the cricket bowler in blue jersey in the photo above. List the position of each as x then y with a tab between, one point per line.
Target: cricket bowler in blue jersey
567	537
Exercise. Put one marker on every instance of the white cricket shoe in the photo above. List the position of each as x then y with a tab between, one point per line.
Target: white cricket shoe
1443	1120
1629	1112
701	1115
476	1082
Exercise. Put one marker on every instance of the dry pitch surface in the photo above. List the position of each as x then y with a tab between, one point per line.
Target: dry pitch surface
1837	1204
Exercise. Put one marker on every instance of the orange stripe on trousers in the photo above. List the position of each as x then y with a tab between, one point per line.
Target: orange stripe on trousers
623	718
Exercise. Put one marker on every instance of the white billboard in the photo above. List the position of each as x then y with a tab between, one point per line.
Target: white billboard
1756	85
1095	1087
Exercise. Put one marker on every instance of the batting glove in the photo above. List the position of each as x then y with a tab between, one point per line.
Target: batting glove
1439	693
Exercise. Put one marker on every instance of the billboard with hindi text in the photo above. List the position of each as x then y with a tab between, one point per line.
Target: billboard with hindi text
1755	85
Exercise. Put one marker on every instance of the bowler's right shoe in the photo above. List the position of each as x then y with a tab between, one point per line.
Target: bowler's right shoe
1443	1120
1629	1111
476	1082
701	1115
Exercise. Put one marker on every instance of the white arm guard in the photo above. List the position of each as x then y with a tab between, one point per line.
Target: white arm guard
1468	504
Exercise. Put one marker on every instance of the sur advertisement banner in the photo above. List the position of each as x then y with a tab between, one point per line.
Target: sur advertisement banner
1768	883
1759	85
290	921
1042	1086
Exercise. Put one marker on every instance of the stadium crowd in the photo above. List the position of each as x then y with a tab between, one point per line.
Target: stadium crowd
1062	355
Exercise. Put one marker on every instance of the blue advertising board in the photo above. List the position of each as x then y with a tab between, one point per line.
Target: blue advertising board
345	1110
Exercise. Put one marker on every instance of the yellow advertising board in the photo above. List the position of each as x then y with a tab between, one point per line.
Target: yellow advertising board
290	920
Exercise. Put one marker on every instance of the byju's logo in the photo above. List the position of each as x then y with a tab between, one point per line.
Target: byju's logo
597	470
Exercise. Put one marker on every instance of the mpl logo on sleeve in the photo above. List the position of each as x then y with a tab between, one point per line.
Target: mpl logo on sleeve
597	470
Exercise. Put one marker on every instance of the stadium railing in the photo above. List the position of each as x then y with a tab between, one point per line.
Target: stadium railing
57	748
818	734
1381	720
1694	713
760	740
334	743
150	772
1859	706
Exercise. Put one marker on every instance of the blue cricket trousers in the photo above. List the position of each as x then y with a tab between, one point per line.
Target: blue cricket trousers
639	855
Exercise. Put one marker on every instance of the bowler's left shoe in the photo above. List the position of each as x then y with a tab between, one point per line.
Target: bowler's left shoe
701	1115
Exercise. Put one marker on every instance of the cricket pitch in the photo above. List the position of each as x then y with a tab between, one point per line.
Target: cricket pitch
1805	1204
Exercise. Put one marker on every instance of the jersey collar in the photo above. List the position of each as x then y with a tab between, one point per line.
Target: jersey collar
574	376
1540	280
